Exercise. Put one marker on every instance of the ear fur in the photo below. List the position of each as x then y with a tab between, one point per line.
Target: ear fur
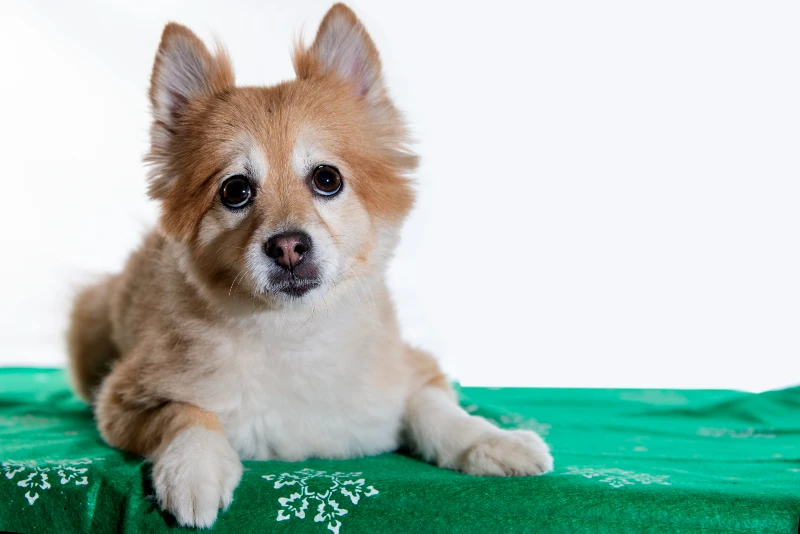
183	70
342	48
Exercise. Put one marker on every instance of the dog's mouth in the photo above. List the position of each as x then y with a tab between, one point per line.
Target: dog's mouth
296	287
295	278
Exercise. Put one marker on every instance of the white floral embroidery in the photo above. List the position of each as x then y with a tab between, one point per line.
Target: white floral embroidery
36	479
515	420
315	491
73	474
328	511
295	503
355	489
618	478
733	433
39	474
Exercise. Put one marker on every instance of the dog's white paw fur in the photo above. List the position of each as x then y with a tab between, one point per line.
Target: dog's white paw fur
507	453
195	476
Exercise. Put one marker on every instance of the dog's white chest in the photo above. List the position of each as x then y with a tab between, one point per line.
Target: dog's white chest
308	404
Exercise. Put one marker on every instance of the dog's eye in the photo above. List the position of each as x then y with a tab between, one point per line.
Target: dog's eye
235	191
326	180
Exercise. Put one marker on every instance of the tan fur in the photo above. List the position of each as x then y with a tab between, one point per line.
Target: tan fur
426	370
89	338
146	431
192	342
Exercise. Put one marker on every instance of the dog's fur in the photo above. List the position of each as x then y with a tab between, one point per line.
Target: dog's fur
194	357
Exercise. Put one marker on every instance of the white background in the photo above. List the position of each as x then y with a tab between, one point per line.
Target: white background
609	193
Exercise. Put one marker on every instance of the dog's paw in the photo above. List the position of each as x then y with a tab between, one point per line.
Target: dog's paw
508	453
195	476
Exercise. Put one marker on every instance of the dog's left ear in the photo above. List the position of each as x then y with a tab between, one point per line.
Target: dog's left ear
344	49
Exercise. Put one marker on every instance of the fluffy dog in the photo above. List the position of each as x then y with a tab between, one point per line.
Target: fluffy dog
255	321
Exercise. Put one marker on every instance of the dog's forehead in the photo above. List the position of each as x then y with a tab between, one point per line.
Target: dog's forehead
279	128
297	155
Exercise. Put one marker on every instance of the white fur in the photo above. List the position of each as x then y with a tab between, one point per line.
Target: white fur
195	476
255	159
306	154
508	453
288	389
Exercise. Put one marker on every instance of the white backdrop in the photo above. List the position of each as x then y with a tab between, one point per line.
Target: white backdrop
609	193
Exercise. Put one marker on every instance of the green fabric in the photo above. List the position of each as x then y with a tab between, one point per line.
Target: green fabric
626	460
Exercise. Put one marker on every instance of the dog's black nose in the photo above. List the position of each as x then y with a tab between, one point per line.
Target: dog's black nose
288	249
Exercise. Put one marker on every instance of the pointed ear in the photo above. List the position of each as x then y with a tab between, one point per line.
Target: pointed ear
184	69
342	48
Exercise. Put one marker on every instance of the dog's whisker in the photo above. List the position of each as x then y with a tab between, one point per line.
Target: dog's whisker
234	280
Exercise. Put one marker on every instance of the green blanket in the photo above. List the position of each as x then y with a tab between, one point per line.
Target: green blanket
626	460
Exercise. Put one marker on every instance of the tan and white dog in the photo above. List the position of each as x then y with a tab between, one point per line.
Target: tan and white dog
255	322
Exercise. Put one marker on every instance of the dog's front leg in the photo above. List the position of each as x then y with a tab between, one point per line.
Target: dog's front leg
442	432
195	469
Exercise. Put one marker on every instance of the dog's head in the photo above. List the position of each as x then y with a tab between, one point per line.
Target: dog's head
279	193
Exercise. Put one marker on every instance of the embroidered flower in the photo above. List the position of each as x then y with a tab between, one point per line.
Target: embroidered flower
76	474
316	490
618	478
36	477
355	488
328	511
295	504
286	480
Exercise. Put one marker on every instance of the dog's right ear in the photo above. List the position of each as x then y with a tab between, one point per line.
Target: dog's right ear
184	69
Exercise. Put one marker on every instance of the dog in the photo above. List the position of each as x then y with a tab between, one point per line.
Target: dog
255	322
